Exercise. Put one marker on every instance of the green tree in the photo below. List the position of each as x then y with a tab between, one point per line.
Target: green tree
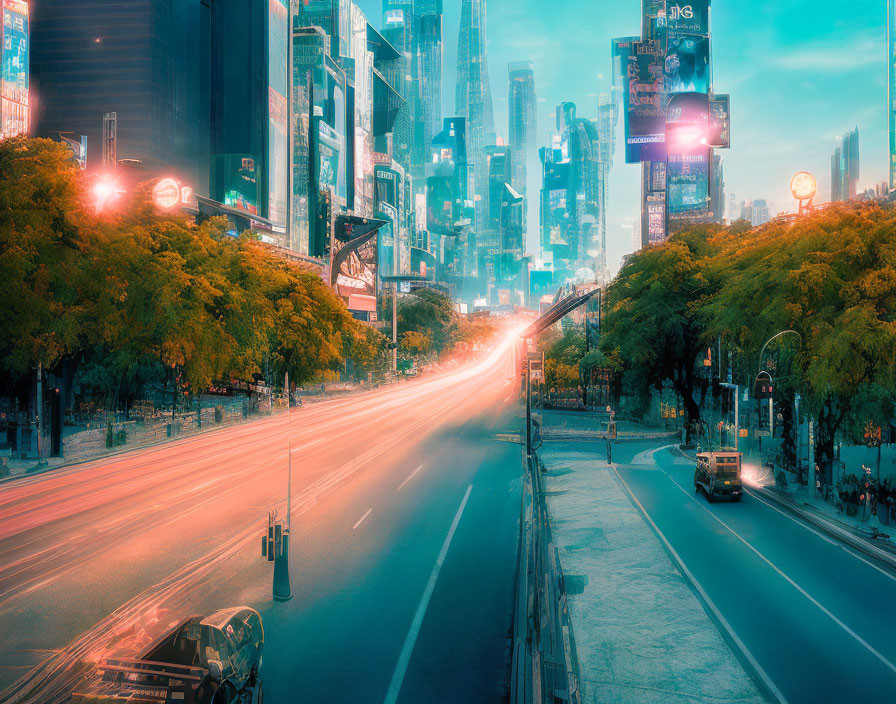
653	327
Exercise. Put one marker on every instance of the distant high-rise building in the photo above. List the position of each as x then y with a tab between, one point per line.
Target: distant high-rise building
756	212
146	60
845	167
891	86
522	120
732	207
15	117
473	99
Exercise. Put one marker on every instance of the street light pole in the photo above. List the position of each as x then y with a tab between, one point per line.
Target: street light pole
528	405
734	388
395	327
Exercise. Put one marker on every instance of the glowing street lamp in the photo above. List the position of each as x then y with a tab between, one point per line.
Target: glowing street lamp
105	191
803	186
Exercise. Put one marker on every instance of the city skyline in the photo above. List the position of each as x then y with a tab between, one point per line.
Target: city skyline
850	58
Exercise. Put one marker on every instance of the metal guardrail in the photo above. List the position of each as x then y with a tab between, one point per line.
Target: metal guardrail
545	665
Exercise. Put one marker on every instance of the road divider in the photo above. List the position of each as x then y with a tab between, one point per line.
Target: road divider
412	475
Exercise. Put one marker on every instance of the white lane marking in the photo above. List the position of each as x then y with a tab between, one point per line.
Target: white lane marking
709	602
361	519
824	537
401	666
787	515
796	586
413	474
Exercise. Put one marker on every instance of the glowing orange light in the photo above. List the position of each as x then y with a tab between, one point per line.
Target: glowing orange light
166	193
105	191
803	186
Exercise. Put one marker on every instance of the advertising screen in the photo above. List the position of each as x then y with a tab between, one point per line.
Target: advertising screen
644	116
687	17
719	121
688	183
687	64
15	68
277	109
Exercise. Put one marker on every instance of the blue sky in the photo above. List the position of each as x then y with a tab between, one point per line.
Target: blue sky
799	73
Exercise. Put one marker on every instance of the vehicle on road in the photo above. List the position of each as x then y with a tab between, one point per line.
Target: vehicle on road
211	660
718	475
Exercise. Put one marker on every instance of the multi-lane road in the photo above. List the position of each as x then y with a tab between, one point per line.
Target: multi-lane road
817	619
405	511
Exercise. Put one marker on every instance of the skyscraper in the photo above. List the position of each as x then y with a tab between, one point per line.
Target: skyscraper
250	45
845	167
522	127
473	99
87	60
14	95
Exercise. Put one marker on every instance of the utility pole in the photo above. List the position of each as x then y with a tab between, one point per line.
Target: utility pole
528	405
39	402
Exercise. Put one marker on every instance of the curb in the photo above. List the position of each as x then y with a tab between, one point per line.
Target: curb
854	541
751	667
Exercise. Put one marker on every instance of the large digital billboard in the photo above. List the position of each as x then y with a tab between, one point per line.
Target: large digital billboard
644	115
687	180
687	17
686	67
14	76
278	37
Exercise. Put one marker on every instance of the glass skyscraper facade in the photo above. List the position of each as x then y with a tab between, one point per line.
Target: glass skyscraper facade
159	87
522	126
473	99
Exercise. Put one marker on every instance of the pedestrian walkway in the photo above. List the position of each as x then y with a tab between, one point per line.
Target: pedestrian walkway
642	636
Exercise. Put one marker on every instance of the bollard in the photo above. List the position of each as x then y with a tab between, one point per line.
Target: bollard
282	590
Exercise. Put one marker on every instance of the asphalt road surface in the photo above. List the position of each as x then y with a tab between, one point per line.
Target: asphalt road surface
819	619
405	520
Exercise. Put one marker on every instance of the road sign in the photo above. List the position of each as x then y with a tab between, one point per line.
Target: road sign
744	432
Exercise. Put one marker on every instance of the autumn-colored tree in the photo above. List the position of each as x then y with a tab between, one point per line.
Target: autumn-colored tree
416	343
831	277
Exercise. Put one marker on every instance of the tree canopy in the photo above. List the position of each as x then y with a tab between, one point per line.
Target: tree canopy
138	288
830	276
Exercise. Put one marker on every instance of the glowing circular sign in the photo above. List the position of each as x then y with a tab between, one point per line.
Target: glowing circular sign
166	193
803	186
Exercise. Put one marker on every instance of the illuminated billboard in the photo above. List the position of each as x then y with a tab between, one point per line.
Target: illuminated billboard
688	183
686	67
278	48
687	17
14	75
656	218
719	121
644	115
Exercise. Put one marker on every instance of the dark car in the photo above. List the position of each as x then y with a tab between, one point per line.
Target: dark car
718	475
212	660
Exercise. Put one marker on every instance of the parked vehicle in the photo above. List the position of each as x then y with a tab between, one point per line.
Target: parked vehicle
212	660
718	474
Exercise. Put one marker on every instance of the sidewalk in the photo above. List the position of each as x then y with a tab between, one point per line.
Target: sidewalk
642	636
89	444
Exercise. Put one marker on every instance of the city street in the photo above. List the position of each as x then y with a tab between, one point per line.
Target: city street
816	617
404	535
